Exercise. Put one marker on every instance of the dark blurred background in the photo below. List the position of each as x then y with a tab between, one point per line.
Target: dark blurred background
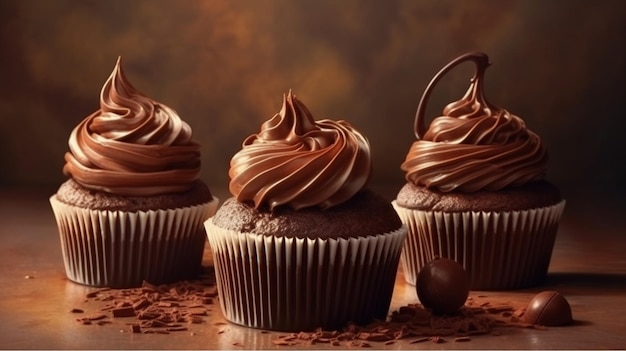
224	65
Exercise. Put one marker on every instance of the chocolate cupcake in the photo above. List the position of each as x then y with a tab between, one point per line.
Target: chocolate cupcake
303	243
133	207
476	191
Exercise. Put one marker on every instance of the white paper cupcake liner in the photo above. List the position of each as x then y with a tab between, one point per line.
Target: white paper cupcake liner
299	284
122	249
500	250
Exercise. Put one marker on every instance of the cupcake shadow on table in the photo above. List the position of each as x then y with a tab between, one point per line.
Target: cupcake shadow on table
133	207
476	192
303	243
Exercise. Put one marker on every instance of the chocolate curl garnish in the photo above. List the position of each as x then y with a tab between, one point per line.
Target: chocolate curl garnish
475	92
117	91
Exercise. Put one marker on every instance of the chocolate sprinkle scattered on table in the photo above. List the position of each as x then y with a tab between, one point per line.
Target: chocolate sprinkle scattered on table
417	324
169	308
157	309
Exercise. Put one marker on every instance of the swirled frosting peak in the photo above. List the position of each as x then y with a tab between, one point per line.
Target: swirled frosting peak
474	145
132	145
298	162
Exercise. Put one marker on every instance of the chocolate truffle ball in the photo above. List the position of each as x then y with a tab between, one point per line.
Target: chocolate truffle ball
548	308
443	286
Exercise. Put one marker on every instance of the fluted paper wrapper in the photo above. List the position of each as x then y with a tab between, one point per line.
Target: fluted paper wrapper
299	284
499	250
122	249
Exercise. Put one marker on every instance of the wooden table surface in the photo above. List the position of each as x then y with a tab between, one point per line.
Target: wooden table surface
588	267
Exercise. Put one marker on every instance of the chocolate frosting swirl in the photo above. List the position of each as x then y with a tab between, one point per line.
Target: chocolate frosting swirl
132	145
298	162
474	145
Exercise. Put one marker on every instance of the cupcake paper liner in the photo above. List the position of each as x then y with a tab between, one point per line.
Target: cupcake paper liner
299	284
499	250
121	249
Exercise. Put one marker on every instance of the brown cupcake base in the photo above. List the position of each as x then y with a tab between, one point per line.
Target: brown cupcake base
300	284
500	250
121	249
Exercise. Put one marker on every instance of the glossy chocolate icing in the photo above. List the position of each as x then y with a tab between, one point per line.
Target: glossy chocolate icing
132	145
474	145
299	162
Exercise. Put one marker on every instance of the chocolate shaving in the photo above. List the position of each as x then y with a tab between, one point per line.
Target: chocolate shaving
415	341
437	339
126	311
477	317
90	319
194	319
281	342
96	292
97	317
141	304
359	343
158	309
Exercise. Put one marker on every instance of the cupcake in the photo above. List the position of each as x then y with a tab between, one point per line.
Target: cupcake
476	191
133	206
303	242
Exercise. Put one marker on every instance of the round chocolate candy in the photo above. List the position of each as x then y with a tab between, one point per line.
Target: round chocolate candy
443	286
548	308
